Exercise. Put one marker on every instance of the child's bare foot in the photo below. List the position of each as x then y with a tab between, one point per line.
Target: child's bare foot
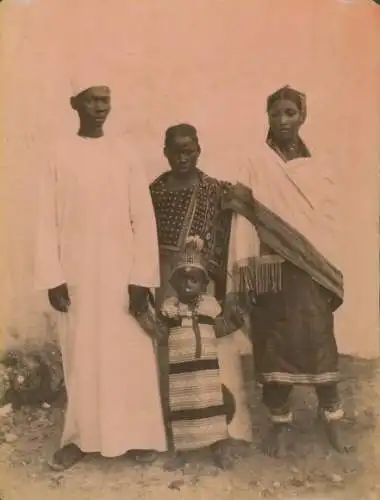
274	444
333	429
175	462
222	456
66	457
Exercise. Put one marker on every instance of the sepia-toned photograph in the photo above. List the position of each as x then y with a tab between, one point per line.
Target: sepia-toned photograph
190	252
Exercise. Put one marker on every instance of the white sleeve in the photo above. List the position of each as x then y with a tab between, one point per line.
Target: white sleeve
330	205
245	236
47	266
145	269
243	174
244	240
328	221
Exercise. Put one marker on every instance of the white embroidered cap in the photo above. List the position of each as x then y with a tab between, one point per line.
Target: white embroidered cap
86	78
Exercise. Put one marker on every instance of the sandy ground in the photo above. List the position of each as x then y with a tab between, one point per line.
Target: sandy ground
311	470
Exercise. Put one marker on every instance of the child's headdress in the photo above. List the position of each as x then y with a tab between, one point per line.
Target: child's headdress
192	256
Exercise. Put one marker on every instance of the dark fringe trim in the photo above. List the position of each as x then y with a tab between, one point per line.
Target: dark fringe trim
259	275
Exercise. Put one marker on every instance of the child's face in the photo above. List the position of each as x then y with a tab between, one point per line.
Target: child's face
189	284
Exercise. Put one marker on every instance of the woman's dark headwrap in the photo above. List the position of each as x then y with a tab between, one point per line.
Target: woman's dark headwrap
180	130
289	94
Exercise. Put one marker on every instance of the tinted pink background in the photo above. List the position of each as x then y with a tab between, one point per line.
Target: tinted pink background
211	63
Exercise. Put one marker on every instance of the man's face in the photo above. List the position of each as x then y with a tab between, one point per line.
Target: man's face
285	120
93	105
182	155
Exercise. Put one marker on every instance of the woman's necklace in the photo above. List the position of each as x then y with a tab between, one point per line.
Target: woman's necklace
290	152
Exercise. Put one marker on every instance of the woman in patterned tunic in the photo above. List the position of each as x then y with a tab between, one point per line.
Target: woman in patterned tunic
187	203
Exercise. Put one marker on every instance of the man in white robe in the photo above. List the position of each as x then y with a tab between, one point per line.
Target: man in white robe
97	257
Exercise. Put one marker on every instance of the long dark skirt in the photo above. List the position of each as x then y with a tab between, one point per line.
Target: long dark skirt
293	332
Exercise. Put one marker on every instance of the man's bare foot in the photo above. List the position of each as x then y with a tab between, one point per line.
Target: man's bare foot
274	444
66	457
175	462
144	456
222	456
333	429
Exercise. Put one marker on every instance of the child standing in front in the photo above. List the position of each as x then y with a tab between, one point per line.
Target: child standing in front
200	405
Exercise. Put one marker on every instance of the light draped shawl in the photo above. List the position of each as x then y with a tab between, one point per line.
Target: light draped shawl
290	210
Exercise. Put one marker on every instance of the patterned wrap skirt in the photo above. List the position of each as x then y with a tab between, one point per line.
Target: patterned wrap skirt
198	414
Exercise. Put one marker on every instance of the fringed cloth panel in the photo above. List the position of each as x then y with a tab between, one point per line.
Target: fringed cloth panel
258	275
275	233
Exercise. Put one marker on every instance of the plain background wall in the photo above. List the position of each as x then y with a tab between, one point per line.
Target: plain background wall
211	63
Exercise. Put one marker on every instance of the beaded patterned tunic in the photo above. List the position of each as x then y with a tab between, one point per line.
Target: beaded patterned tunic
188	212
198	410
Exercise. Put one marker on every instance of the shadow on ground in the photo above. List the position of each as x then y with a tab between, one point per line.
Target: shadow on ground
310	469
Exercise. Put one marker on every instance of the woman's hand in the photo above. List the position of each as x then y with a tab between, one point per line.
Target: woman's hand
243	192
239	191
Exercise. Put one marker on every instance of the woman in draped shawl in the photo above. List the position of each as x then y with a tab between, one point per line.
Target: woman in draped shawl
187	203
283	257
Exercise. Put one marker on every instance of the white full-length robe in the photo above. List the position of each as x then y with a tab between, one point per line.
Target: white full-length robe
96	231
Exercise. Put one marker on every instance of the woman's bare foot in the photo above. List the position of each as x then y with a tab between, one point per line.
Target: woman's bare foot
175	462
274	444
222	456
66	457
144	456
333	429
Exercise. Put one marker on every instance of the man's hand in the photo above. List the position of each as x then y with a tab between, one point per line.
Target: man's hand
59	298
152	326
138	299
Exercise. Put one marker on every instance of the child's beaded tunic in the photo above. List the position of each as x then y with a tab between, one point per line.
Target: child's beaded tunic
198	414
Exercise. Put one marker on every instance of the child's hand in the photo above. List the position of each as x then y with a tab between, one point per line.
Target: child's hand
231	320
162	331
